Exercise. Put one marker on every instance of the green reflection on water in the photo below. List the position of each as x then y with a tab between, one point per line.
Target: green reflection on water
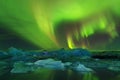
90	76
47	74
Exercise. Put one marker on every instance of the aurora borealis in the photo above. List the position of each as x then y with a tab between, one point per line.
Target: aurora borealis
55	24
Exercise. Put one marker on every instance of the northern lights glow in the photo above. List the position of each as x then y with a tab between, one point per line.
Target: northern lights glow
37	21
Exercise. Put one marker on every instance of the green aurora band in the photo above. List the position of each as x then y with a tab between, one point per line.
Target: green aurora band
38	20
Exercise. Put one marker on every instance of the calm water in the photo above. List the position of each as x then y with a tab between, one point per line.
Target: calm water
44	74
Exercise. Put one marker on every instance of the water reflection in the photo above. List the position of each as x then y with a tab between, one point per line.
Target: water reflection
90	76
47	74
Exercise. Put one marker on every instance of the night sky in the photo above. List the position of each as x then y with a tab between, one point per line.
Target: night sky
55	24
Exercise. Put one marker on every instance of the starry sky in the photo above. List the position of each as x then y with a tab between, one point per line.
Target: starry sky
55	24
